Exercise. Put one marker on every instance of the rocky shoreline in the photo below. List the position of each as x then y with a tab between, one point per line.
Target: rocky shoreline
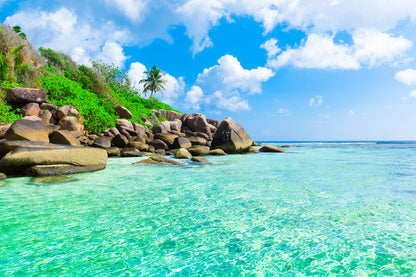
51	140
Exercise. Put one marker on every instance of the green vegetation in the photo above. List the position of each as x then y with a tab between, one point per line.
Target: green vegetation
93	91
153	82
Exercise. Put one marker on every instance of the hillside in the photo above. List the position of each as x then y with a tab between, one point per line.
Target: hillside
93	91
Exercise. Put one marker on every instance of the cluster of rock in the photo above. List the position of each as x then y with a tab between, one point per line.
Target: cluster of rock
47	140
182	135
50	140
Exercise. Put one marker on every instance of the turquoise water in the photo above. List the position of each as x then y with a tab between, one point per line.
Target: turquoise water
323	209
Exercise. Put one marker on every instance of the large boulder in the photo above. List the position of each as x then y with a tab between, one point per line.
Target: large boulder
182	153
159	161
123	112
28	128
197	141
167	138
199	151
141	146
170	115
198	123
175	125
120	141
63	137
7	146
21	96
30	161
231	137
214	122
182	142
102	142
159	144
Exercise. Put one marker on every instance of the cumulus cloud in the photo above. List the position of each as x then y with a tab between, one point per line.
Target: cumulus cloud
136	73
133	9
271	47
373	47
112	53
316	101
62	30
316	16
229	75
194	97
319	51
370	47
407	77
227	82
173	89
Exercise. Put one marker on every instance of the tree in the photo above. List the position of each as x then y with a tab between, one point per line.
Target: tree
153	81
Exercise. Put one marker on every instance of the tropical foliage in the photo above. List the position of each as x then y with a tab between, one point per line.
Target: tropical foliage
94	90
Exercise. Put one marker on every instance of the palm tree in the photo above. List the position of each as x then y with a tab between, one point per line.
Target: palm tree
153	81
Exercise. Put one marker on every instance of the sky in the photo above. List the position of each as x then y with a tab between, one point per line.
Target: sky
284	69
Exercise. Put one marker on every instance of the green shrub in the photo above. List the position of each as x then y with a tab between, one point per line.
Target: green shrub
97	112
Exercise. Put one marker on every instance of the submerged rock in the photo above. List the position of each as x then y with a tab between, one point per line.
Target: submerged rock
286	146
217	152
231	137
159	161
52	180
252	149
271	148
200	160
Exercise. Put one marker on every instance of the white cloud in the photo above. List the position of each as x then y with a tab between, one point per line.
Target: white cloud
319	51
136	73
112	53
173	89
133	9
373	47
271	47
233	103
412	94
351	112
225	83
62	30
199	16
229	75
316	101
316	16
194	97
407	77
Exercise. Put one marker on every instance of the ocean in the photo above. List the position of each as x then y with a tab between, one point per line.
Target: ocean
322	208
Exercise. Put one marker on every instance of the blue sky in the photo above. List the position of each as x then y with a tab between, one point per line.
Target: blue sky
285	70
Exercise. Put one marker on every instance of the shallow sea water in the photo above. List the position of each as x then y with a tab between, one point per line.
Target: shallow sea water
320	209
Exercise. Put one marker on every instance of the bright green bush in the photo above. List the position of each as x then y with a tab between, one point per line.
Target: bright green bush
97	112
